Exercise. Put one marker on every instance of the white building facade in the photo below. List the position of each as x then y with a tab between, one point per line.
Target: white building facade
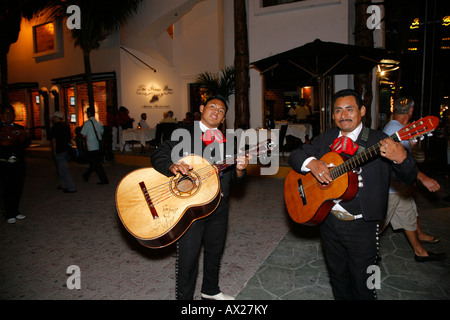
151	65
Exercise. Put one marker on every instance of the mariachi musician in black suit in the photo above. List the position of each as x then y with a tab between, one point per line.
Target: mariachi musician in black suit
205	140
350	232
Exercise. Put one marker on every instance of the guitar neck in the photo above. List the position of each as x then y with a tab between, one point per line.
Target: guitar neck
228	162
257	150
359	159
222	165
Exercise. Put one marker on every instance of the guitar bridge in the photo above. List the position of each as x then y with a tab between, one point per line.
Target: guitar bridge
148	200
301	191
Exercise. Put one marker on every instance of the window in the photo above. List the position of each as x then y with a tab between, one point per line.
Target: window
44	36
47	40
269	3
264	7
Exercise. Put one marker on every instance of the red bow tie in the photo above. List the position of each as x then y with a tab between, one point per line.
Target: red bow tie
209	136
345	145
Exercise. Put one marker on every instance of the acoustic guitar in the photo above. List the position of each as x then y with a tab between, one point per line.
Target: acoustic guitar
309	202
157	210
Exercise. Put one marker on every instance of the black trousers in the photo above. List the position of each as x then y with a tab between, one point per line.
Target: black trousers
211	232
350	247
12	179
95	164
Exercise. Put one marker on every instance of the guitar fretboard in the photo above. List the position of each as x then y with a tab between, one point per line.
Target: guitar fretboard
359	159
257	150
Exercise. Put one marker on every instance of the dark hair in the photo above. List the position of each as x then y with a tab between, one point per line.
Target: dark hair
8	106
91	111
224	101
346	93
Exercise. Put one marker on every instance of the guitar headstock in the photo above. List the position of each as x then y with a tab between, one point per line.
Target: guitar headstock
418	128
263	148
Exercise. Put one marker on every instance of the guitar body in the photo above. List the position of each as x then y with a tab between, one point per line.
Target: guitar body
157	210
308	201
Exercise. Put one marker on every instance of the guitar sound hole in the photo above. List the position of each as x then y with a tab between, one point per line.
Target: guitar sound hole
185	186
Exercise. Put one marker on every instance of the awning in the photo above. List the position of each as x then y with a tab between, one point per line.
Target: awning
80	78
318	59
310	63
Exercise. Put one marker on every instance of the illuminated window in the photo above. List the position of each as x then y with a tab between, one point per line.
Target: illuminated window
44	36
47	40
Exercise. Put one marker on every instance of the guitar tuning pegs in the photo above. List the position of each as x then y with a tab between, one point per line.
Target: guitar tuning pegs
414	140
430	134
422	137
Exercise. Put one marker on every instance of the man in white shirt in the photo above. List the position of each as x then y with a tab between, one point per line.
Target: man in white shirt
209	232
143	123
350	233
93	132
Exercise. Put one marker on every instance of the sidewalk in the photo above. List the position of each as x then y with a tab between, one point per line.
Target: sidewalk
267	256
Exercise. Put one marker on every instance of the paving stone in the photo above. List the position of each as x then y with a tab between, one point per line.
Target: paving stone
267	256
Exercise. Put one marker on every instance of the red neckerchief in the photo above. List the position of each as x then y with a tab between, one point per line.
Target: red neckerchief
209	136
345	145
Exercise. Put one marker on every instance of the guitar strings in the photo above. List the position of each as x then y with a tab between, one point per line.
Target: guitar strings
338	171
220	165
162	192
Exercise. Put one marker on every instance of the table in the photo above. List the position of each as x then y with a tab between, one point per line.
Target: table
140	135
298	130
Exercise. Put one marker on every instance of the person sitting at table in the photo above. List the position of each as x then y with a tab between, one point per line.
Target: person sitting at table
123	118
143	123
189	118
302	111
168	117
125	122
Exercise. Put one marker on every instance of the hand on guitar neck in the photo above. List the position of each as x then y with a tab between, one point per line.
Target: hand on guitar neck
392	150
389	149
183	168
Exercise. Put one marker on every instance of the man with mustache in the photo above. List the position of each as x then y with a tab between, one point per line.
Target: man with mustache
350	232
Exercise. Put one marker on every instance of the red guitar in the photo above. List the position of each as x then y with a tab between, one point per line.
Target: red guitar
309	202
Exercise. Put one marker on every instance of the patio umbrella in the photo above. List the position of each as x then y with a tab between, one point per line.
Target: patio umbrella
316	60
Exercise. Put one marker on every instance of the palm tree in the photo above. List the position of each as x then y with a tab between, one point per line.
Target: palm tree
221	84
11	13
10	16
364	37
99	19
241	65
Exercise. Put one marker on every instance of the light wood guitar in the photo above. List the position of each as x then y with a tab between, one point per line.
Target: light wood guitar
157	210
309	202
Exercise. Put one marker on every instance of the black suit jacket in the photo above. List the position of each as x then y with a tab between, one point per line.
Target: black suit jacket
192	144
371	199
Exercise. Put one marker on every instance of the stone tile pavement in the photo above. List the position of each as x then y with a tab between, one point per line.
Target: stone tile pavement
267	256
83	229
